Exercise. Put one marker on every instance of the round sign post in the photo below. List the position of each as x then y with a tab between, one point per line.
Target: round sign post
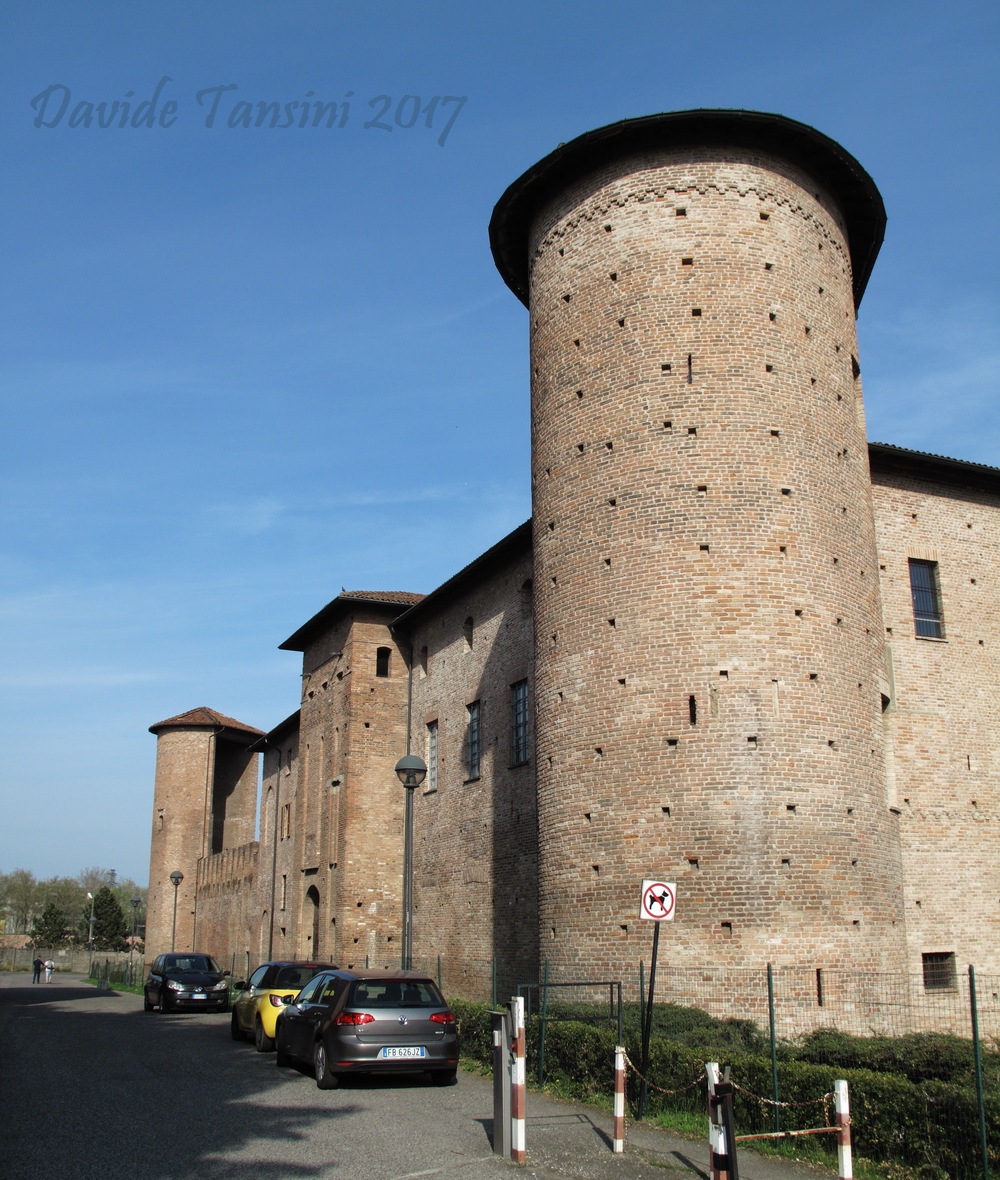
657	904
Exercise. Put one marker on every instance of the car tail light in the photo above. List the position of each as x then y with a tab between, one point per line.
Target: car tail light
443	1017
355	1018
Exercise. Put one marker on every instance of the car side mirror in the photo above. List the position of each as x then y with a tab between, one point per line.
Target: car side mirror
287	1000
225	973
241	985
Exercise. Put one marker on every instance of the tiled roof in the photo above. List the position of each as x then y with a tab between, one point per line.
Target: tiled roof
382	595
343	604
906	453
204	718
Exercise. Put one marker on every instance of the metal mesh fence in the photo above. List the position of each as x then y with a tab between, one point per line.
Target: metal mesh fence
863	1004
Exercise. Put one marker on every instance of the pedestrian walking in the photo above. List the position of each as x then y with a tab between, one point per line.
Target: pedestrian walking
49	968
36	969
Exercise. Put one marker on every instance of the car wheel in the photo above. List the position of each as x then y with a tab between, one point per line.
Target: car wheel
146	1005
444	1077
321	1068
234	1028
164	1003
262	1042
281	1056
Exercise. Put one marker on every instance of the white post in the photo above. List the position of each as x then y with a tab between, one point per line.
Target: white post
517	1090
842	1106
618	1131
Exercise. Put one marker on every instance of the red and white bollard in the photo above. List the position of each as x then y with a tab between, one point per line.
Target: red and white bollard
718	1145
618	1130
517	1088
842	1106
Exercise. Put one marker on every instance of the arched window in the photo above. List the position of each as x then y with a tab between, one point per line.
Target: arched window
310	920
526	589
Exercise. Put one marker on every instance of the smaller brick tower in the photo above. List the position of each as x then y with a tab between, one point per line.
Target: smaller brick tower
205	801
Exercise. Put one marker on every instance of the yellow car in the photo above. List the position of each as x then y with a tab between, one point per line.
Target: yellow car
257	1001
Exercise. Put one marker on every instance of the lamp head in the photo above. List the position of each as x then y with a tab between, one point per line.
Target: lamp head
411	771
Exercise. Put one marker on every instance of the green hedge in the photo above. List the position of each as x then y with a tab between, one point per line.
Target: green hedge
928	1124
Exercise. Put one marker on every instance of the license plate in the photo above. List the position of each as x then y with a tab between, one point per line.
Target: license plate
198	996
402	1051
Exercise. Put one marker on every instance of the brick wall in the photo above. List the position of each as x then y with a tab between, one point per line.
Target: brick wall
226	922
944	757
475	834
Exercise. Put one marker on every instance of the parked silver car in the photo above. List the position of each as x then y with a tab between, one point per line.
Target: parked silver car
346	1022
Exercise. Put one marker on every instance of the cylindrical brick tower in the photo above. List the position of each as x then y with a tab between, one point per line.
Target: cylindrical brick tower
709	651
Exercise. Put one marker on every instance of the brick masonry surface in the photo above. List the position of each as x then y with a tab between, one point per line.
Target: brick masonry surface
711	610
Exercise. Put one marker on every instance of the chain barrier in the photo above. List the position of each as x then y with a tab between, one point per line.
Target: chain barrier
659	1089
703	1077
765	1102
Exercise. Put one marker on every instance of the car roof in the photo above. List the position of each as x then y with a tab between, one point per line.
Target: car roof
298	963
417	976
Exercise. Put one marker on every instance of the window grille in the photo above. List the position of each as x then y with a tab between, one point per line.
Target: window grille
926	600
473	739
519	736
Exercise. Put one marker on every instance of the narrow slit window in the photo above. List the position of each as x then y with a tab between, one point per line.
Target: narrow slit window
927	620
431	782
382	661
473	740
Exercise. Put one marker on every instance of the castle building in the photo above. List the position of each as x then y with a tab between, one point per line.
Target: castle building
736	648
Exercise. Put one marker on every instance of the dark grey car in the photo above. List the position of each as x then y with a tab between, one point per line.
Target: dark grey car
369	1022
187	980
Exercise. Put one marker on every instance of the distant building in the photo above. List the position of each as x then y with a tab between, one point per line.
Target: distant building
735	647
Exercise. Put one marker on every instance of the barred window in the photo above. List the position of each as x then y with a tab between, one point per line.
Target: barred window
473	739
519	736
431	783
926	599
939	971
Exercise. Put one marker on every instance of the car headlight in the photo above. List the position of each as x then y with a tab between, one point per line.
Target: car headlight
221	986
174	985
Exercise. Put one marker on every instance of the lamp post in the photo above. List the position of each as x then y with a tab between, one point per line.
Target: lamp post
90	940
176	877
411	772
131	944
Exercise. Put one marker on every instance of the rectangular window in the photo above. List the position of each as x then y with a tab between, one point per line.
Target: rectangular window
939	971
286	821
473	739
926	599
432	757
519	737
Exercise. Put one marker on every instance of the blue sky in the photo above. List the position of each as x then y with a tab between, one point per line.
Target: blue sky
242	368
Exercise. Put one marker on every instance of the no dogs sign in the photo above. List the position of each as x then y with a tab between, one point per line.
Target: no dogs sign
658	898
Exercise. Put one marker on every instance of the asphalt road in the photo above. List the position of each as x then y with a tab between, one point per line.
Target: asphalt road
93	1088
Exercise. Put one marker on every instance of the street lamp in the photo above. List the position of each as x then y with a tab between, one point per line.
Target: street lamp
90	968
131	945
176	877
411	772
